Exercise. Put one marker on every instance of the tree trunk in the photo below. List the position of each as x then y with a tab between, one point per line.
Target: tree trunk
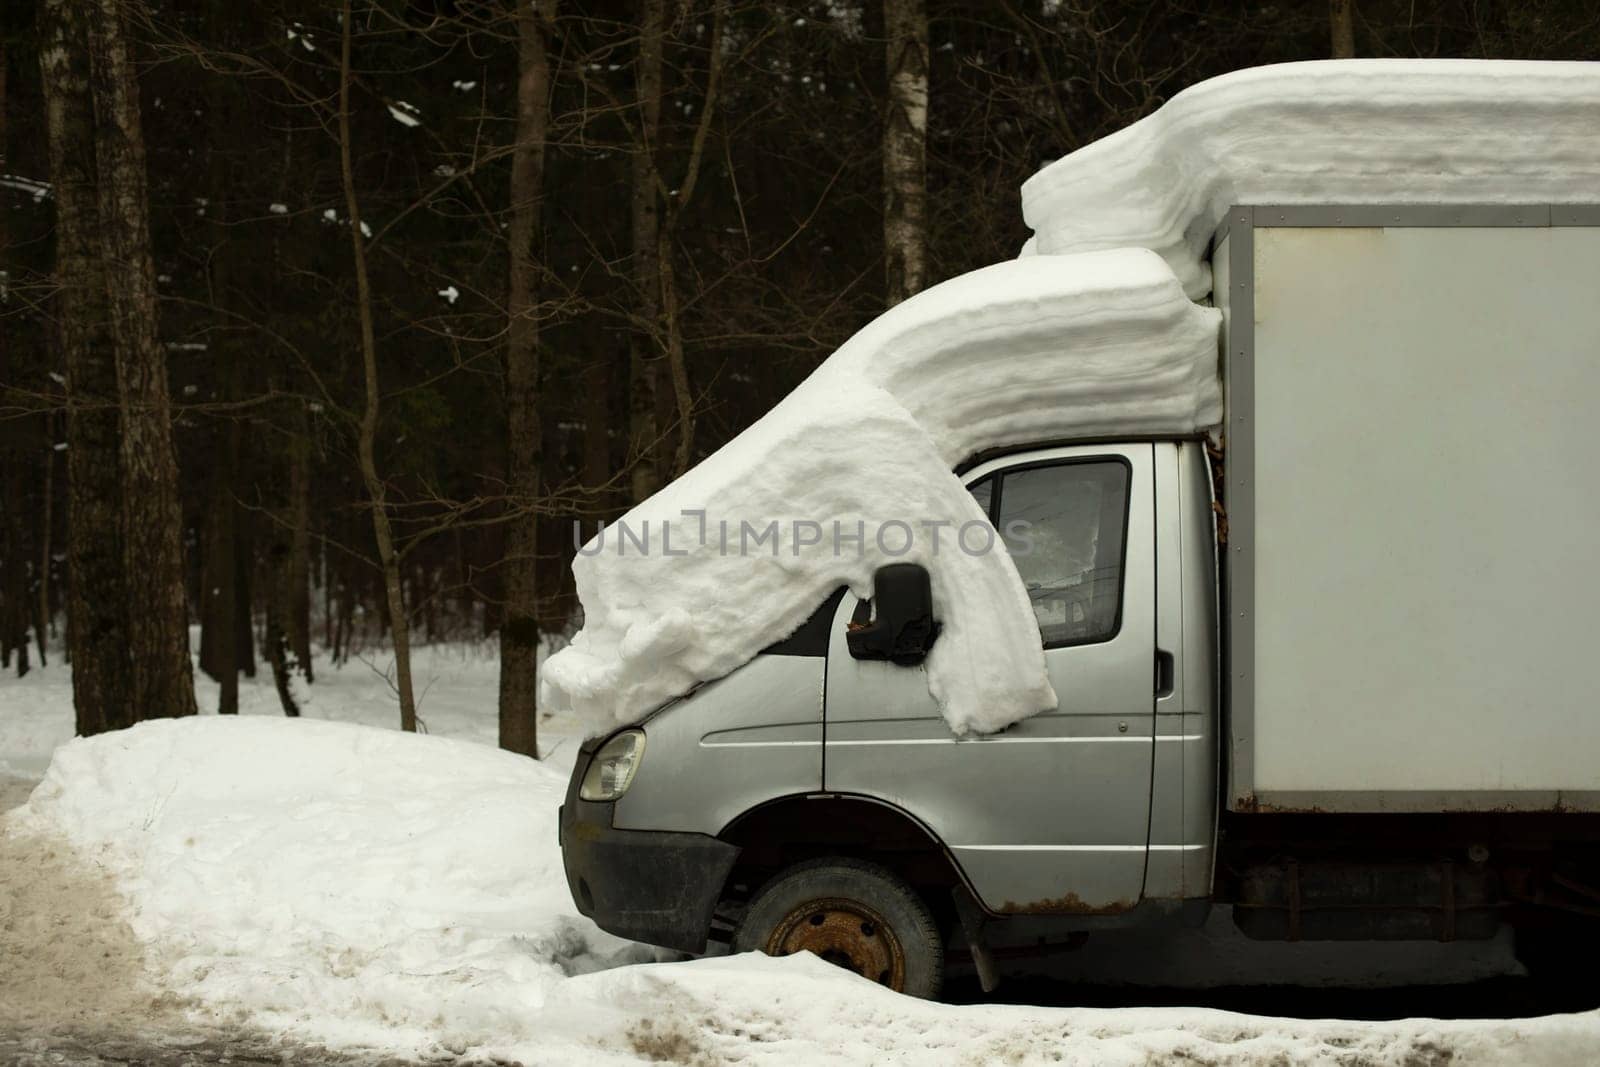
466	606
905	128
345	612
16	602
388	557
597	433
644	347
677	360
14	599
38	606
158	620
424	594
244	581
216	577
277	653
225	640
298	573
351	582
328	576
671	316
227	644
220	634
45	625
279	597
519	631
1341	20
97	597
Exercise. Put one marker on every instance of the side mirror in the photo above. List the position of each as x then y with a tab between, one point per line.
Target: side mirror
903	629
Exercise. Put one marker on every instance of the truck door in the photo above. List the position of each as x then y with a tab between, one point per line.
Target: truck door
1053	814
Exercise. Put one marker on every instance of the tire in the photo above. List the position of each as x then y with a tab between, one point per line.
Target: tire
854	914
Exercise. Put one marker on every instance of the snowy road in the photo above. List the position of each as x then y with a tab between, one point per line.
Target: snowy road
85	1008
182	1049
14	790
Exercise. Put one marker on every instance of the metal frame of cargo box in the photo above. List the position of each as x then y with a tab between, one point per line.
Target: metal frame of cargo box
1238	594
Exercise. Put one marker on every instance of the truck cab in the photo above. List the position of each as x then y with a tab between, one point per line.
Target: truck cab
1101	811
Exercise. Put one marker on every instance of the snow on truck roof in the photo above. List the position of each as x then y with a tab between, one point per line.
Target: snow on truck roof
1093	334
1378	131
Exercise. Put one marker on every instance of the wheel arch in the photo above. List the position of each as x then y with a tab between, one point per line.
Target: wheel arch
793	829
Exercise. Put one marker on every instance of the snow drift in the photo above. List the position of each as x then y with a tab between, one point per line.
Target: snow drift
368	880
1345	132
853	471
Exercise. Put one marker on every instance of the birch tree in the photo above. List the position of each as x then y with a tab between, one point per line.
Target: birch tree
905	158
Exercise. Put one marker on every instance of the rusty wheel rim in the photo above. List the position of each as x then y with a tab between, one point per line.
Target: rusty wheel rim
847	934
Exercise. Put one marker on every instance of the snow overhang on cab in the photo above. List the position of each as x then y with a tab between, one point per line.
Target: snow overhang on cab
678	591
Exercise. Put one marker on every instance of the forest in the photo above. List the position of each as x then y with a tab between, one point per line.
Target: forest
335	325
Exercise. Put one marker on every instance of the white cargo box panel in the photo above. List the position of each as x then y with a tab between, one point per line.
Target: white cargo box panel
1413	566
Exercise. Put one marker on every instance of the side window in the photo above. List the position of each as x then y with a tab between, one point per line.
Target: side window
983	493
1065	525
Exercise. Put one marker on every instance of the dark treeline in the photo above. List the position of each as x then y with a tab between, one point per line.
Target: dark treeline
323	320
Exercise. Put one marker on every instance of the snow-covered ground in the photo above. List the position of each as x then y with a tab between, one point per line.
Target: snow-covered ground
340	884
457	694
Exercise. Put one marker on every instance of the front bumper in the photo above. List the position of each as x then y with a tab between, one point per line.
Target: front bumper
653	886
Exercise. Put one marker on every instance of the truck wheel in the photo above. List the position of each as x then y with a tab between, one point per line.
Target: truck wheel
854	914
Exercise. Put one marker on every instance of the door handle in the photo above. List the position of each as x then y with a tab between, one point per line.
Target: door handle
1166	673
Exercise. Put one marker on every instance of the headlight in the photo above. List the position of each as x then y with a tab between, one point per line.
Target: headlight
611	770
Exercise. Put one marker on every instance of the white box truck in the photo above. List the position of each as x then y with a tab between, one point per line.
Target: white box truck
1333	674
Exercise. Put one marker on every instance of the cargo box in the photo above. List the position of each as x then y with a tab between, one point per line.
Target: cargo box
1413	507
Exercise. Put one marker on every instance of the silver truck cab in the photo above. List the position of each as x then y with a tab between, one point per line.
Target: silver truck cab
815	798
